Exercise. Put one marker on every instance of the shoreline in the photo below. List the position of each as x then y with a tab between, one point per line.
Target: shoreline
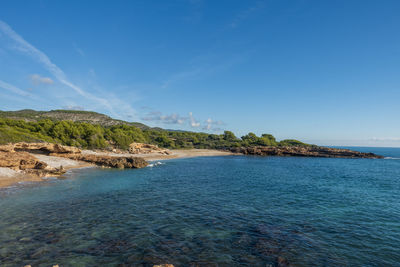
10	177
52	160
173	154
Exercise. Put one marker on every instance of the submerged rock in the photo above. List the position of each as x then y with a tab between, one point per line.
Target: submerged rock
282	262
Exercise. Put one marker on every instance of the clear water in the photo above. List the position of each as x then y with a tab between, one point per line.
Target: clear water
216	211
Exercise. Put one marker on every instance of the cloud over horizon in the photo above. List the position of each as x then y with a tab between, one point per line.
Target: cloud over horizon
15	89
176	119
111	103
37	79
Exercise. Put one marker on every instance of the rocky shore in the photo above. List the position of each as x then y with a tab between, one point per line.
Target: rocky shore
22	162
19	152
303	151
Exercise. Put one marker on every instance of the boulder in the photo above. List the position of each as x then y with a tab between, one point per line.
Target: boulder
20	161
140	148
109	161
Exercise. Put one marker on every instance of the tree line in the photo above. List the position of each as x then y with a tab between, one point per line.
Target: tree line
94	136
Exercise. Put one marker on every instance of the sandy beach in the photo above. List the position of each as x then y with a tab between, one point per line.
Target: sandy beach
173	154
10	177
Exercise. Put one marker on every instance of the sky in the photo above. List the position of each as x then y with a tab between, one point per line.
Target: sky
324	72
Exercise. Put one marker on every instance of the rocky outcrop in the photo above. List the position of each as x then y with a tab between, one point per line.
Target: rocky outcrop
140	148
68	152
303	151
28	164
46	148
20	161
108	161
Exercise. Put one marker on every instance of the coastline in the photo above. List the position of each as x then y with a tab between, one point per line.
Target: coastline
10	177
34	162
173	154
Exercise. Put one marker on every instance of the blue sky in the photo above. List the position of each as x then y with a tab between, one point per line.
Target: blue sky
325	72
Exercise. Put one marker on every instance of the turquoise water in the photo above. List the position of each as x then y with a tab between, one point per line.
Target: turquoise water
215	211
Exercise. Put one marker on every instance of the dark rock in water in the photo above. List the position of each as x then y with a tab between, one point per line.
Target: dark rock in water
282	262
203	264
40	252
303	151
25	239
267	247
153	259
244	240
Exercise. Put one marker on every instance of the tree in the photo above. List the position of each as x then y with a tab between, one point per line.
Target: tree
229	136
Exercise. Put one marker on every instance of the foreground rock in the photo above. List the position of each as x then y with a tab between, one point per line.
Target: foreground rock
27	163
19	152
108	161
303	151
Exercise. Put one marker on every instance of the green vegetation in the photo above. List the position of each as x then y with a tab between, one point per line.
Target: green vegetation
71	115
89	135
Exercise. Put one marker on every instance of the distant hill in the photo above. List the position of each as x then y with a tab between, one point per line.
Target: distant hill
71	115
87	129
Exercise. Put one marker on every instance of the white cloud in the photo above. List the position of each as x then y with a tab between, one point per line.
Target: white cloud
193	122
176	119
28	49
167	119
77	49
247	13
73	107
37	79
181	76
385	139
15	89
211	125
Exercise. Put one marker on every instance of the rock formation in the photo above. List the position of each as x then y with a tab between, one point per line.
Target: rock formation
46	148
20	161
140	148
108	161
27	163
20	158
303	151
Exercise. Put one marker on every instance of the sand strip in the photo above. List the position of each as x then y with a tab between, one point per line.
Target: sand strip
10	177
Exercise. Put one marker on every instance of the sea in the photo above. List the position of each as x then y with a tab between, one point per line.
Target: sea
210	211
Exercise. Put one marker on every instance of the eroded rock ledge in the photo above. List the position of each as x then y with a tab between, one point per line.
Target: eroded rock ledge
107	161
26	163
304	151
16	156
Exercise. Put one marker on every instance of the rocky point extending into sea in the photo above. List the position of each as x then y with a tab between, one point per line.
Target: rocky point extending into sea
303	151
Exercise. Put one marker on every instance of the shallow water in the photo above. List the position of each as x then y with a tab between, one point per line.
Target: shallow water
212	211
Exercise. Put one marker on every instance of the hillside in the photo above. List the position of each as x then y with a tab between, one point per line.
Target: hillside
70	115
86	129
